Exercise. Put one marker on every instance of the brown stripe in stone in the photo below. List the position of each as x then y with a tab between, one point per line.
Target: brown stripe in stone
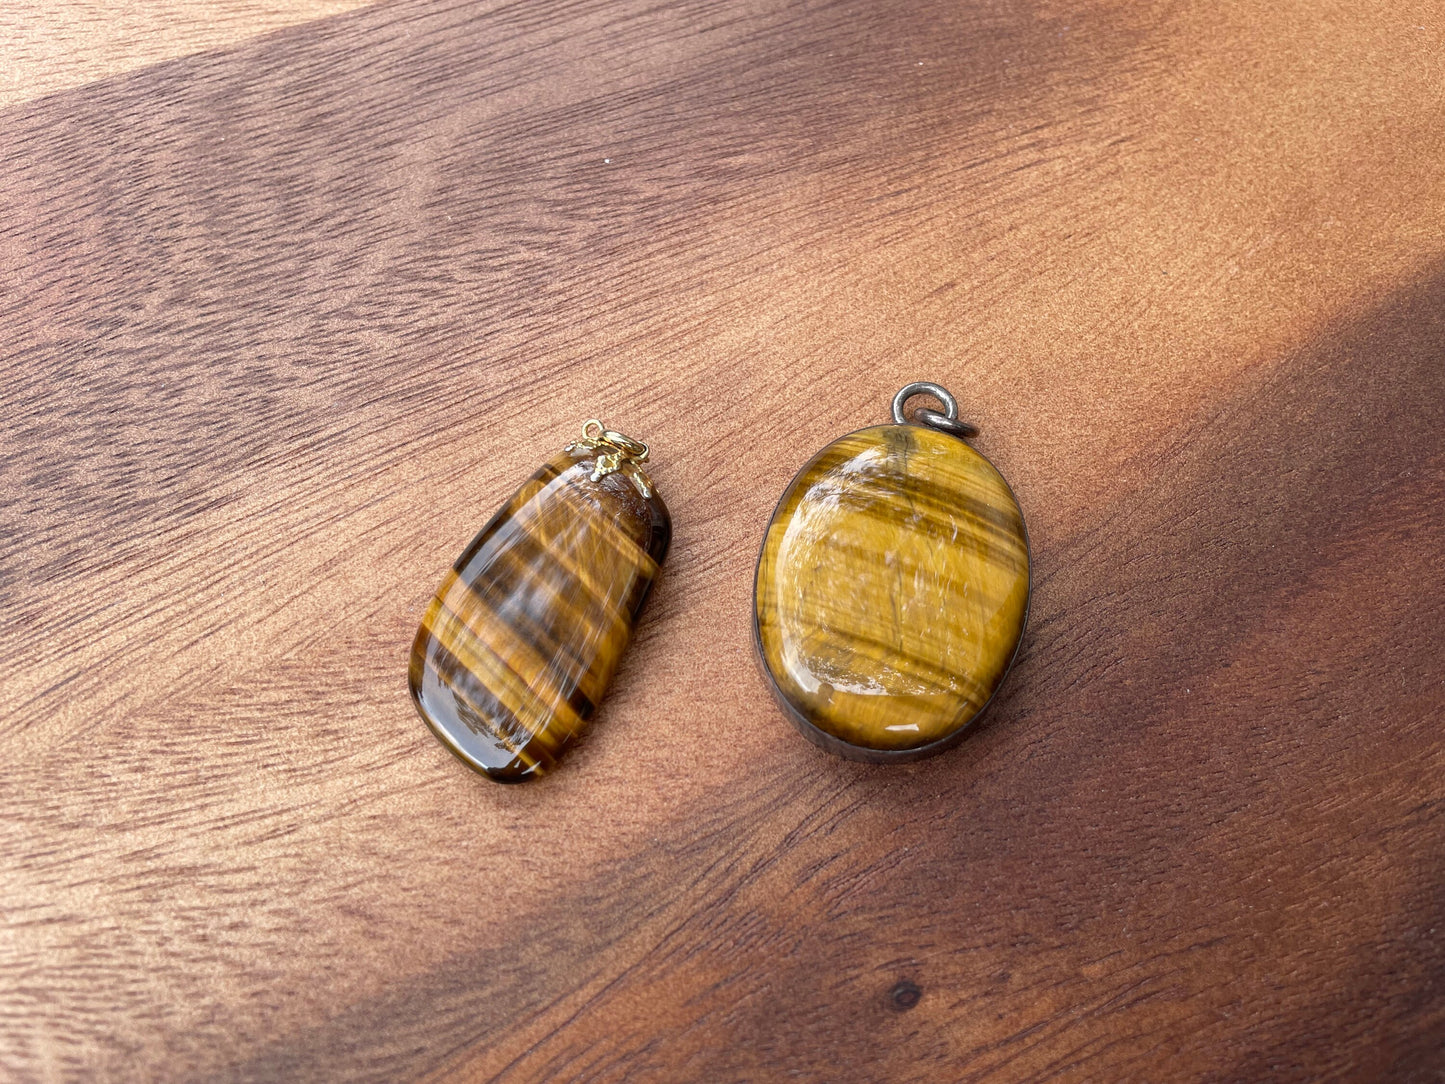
552	676
533	707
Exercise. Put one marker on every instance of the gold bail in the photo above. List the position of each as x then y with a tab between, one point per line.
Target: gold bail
617	449
594	432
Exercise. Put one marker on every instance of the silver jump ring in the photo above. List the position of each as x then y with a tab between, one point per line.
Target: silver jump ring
936	420
946	422
923	387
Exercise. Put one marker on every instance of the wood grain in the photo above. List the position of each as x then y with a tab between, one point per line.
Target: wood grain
48	46
287	320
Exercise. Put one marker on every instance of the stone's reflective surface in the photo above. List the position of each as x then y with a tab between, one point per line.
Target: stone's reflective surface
891	591
524	634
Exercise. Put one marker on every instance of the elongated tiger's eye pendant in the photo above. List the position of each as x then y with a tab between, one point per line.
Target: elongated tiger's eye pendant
523	636
892	587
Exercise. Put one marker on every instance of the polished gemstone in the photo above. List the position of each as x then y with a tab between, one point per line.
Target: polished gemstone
522	638
891	591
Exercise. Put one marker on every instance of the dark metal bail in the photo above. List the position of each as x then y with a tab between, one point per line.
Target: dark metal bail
947	422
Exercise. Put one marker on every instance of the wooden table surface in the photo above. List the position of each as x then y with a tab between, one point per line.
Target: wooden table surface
294	296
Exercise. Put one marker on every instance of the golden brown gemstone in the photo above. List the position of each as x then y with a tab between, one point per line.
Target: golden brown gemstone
891	591
524	634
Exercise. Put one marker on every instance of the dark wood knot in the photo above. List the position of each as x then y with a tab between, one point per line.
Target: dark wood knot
904	996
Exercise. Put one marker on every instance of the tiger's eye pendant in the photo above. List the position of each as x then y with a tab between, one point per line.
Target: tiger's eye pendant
892	587
523	636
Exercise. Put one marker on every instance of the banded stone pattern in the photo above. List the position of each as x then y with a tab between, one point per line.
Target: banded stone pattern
522	638
891	591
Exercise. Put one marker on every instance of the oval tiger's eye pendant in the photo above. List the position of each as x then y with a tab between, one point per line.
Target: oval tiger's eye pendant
892	587
523	636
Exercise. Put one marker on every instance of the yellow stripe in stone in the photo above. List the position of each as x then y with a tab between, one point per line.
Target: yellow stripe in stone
560	525
551	677
534	709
